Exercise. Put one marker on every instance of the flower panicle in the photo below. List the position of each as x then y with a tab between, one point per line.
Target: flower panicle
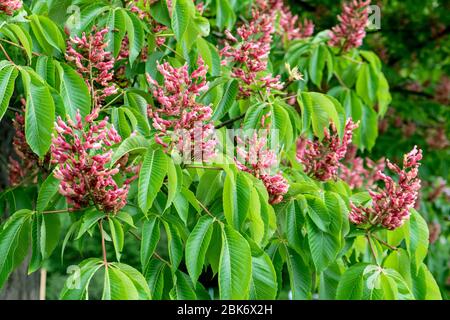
256	158
248	53
9	7
321	159
82	152
391	204
177	115
351	30
94	62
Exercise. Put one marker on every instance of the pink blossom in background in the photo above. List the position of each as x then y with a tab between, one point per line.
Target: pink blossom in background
82	151
249	55
124	52
358	172
93	62
436	138
350	31
10	6
143	12
177	115
254	157
290	26
391	204
442	94
320	159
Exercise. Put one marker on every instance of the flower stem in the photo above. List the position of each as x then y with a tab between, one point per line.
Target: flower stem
384	243
6	54
105	261
371	247
230	121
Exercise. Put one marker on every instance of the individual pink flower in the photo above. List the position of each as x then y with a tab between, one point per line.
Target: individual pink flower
10	6
93	63
391	204
82	151
248	56
256	158
320	159
351	30
178	116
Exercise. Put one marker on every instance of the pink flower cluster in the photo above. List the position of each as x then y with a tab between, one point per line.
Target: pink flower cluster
178	116
291	28
10	6
391	204
93	62
321	158
350	32
83	154
249	55
357	171
254	157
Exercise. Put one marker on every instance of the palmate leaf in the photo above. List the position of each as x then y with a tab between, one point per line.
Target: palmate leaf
235	265
151	177
136	36
127	283
324	246
74	91
351	285
196	246
417	239
14	242
236	199
300	275
39	113
76	286
264	285
8	75
182	13
150	238
47	191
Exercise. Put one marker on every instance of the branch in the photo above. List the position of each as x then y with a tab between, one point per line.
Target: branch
411	92
230	121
